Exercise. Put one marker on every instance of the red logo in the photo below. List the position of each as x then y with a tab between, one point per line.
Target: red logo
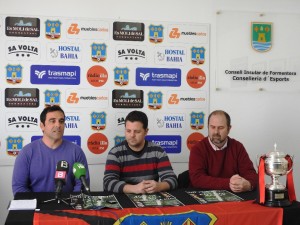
60	174
193	138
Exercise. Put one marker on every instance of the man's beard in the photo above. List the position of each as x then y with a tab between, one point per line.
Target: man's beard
216	139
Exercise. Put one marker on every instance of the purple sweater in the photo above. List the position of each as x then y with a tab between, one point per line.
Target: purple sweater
35	167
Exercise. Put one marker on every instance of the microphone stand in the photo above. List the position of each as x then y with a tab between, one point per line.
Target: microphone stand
58	199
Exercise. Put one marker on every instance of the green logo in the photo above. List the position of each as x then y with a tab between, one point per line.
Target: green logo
261	36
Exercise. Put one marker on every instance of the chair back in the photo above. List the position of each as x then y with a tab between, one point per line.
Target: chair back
184	179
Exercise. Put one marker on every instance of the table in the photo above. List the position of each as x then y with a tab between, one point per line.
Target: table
225	212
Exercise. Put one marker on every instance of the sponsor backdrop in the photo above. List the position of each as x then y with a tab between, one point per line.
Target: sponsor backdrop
98	71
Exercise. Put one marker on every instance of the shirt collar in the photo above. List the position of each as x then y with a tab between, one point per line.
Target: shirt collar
216	148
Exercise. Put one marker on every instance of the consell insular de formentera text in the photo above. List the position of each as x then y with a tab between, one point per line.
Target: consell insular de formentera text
259	75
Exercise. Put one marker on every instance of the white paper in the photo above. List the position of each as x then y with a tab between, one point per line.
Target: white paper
29	204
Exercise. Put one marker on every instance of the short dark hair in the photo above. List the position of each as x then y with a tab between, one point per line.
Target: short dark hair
220	112
137	116
48	109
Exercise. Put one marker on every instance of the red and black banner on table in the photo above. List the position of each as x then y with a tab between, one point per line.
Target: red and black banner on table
223	213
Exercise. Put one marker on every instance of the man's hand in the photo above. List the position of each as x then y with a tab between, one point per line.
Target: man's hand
135	188
146	186
239	184
151	186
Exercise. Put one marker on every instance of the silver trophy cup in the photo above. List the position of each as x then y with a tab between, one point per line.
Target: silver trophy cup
276	165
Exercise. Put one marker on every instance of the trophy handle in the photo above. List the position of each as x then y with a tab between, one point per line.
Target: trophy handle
257	161
290	159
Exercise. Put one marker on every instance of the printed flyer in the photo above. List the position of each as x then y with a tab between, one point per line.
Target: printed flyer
154	200
212	196
83	201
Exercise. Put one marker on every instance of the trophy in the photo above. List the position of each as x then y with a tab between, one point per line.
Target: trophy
276	164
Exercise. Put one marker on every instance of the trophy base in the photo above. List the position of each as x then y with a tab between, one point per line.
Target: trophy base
277	198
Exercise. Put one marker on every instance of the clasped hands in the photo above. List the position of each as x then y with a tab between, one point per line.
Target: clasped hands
239	184
147	186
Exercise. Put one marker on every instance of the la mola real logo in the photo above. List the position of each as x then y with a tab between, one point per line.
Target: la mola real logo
261	36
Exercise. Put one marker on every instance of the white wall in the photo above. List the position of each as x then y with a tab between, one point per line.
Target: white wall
258	118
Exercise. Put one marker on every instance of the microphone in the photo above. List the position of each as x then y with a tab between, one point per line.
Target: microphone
60	178
79	172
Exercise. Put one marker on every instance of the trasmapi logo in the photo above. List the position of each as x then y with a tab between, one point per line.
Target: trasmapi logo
144	76
23	50
88	29
186	99
170	143
86	98
188	33
50	74
170	77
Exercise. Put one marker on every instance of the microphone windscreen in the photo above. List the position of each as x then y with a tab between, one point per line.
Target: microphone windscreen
62	165
62	168
79	170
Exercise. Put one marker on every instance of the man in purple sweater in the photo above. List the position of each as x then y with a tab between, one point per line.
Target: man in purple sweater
35	166
219	162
